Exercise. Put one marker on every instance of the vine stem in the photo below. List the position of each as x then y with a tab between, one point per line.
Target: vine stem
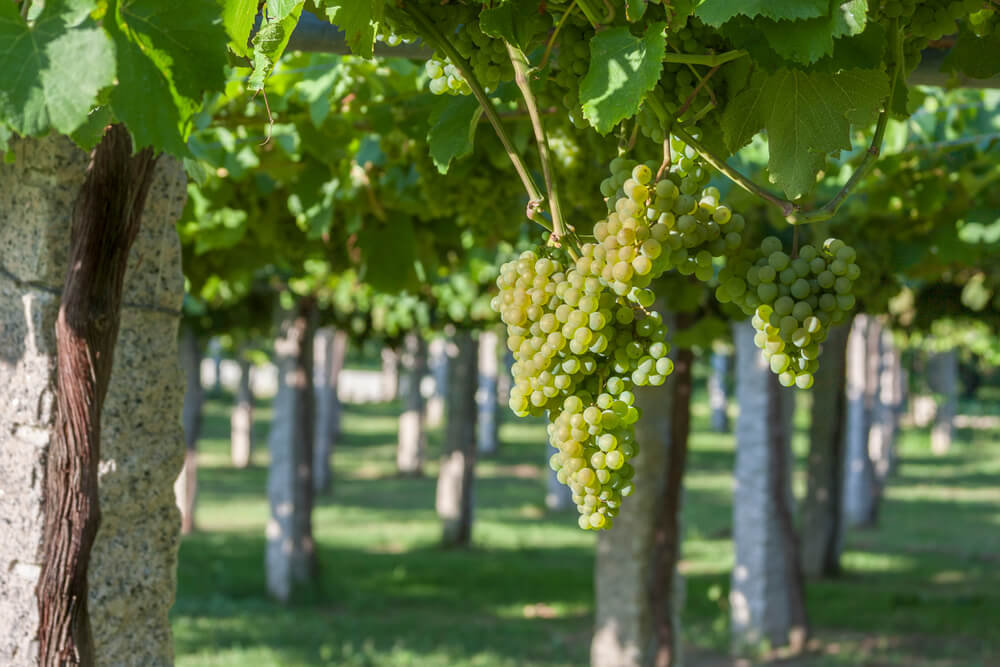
430	30
555	33
706	59
694	93
25	8
520	63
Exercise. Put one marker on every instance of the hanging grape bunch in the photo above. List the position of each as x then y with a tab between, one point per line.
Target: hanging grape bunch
793	300
579	349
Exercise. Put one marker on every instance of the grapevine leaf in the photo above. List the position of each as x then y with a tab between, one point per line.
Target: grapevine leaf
359	19
623	68
238	18
279	9
90	133
807	41
53	70
172	53
184	40
268	45
717	12
635	9
387	250
808	115
976	57
744	116
507	22
453	135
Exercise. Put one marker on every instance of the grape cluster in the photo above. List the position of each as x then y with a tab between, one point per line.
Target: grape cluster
579	350
444	78
794	300
675	224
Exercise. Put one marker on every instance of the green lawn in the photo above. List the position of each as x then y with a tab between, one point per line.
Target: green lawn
922	589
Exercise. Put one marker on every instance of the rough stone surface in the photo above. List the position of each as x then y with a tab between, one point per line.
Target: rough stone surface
291	553
241	421
861	490
454	496
759	595
411	448
488	424
328	360
132	567
943	375
718	394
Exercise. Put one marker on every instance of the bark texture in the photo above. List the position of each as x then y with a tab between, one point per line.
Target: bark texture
331	349
241	421
454	501
639	593
141	436
766	594
411	449
291	553
106	220
861	488
822	523
186	487
718	393
488	423
944	381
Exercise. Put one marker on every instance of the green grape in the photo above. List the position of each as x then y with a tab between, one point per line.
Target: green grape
789	328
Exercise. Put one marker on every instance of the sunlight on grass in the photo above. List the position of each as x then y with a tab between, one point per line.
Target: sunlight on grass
523	595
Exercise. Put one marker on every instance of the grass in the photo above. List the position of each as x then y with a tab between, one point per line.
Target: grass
924	588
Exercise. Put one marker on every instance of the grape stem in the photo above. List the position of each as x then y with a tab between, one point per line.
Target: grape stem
520	63
439	40
694	93
555	33
706	59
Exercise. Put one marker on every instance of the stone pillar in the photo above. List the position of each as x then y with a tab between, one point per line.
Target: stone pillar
631	565
861	492
291	552
133	562
488	424
943	369
241	421
454	498
439	369
822	520
411	447
558	496
390	373
329	351
718	394
763	601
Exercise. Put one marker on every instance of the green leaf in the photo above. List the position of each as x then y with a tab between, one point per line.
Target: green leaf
623	68
453	135
268	45
744	116
387	251
809	40
279	9
635	9
973	56
806	115
508	22
717	12
90	133
359	19
53	70
169	56
238	18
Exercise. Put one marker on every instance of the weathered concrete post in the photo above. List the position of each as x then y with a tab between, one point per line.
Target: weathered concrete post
133	562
